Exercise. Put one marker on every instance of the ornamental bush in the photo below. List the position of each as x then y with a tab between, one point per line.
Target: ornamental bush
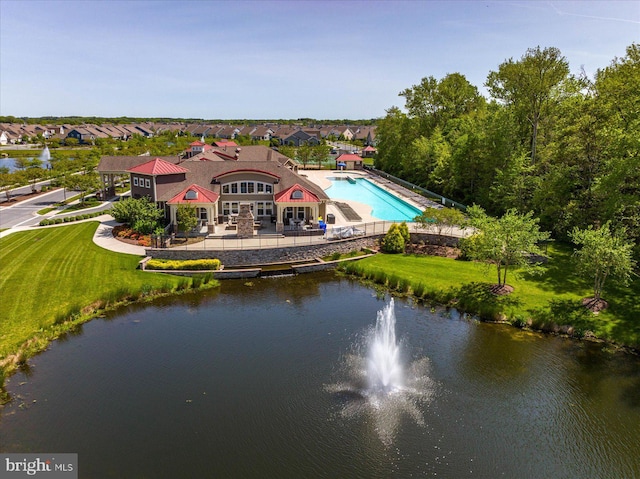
393	242
187	265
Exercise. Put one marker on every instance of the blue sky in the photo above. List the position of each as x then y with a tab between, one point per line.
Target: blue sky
278	59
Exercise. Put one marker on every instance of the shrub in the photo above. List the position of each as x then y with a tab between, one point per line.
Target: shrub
404	231
393	242
189	265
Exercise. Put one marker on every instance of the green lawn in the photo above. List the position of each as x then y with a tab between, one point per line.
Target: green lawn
48	274
552	297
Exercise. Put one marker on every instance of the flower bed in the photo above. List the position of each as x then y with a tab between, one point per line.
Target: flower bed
125	234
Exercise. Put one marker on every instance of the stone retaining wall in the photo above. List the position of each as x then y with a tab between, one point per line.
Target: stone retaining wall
292	254
248	257
430	238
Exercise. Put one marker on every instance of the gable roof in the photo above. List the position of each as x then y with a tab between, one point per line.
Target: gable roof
224	143
289	195
348	157
157	167
202	195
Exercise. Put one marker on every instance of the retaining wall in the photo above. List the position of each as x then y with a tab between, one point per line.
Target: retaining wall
248	257
430	238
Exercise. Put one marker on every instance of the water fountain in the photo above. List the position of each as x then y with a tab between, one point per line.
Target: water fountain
379	384
45	156
384	370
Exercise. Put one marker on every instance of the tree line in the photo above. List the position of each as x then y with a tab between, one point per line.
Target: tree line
563	146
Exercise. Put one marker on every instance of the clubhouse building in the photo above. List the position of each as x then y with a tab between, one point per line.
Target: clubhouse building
224	184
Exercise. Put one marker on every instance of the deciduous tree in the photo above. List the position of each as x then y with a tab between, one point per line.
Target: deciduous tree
505	242
529	86
603	254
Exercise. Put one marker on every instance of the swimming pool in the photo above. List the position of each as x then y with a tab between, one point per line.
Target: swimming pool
385	206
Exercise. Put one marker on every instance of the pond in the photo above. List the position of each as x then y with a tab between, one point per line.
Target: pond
257	380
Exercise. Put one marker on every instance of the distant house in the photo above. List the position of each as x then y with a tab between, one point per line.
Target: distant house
261	133
299	138
346	133
366	134
224	143
197	147
218	181
83	135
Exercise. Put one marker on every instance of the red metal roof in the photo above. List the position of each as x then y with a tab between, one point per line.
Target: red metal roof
202	196
287	196
157	167
348	157
196	143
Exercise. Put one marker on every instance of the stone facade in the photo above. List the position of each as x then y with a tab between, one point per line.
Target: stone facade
430	238
293	254
245	221
249	257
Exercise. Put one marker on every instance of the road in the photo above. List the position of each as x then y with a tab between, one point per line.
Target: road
24	213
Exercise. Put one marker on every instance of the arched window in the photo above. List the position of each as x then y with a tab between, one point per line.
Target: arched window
191	195
297	195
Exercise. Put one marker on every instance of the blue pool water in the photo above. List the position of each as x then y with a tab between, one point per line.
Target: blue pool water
385	206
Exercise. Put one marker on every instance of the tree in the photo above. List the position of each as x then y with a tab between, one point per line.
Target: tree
319	154
7	182
603	254
83	183
62	169
141	215
433	103
33	172
186	217
504	242
529	86
440	219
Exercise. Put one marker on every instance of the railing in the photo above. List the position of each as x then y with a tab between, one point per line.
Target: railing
423	191
333	234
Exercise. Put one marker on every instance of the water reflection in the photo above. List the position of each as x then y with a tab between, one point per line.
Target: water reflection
233	383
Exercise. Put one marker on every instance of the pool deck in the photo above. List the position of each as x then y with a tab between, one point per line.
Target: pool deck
321	178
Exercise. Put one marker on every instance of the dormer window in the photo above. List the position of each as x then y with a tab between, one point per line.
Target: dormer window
191	195
297	195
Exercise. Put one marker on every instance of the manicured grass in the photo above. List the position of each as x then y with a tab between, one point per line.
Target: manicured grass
550	298
50	274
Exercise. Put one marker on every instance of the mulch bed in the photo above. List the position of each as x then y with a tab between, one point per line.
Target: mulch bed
126	235
501	289
593	305
433	250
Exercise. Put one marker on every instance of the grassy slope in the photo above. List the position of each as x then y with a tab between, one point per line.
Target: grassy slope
620	322
48	273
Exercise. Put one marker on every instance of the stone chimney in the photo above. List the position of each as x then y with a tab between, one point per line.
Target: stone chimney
245	221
